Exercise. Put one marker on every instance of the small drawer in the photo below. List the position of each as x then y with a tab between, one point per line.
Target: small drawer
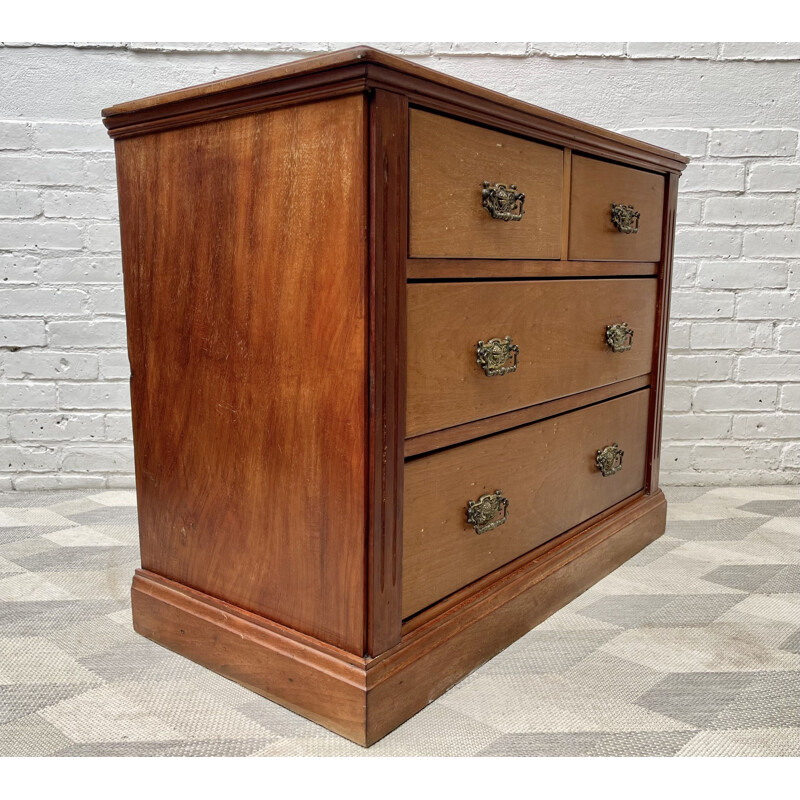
558	344
452	214
548	480
615	212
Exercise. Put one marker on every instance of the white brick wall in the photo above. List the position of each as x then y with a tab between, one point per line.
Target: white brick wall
733	393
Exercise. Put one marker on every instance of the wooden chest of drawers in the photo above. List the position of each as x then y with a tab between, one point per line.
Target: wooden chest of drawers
397	350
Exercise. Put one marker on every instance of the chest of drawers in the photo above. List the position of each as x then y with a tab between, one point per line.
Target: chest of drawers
397	353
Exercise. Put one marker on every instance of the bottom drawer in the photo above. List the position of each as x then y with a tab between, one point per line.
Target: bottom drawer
548	474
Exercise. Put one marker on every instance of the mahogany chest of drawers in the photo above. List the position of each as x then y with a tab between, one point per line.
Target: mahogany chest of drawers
397	352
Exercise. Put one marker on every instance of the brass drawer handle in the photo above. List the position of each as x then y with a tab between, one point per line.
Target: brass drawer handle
625	218
619	337
609	460
493	355
484	513
503	202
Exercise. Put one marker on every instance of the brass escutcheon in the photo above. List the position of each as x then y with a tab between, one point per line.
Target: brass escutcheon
619	337
482	513
492	356
609	459
503	202
625	219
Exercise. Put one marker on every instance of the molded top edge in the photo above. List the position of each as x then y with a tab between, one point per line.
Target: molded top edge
122	113
302	66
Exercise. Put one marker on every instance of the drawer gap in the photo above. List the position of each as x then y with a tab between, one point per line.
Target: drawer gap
436	441
440	269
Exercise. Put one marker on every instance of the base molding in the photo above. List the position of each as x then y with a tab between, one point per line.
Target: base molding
314	679
363	699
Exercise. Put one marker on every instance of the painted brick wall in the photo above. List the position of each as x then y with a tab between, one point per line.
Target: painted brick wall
733	400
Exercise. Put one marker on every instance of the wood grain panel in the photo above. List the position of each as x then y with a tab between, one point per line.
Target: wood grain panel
559	326
449	161
546	470
247	334
595	186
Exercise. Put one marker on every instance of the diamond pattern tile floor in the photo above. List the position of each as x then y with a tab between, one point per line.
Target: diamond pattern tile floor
690	649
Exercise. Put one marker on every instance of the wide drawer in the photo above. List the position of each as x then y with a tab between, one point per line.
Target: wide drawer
548	474
560	328
615	212
449	163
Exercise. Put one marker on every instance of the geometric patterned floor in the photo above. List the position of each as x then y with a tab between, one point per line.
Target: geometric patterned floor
692	648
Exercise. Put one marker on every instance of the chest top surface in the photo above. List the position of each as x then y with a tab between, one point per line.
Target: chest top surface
360	69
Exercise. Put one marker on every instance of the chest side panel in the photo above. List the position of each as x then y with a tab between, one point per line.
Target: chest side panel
244	252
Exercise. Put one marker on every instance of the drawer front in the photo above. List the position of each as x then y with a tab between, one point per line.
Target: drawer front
602	227
548	473
559	328
449	163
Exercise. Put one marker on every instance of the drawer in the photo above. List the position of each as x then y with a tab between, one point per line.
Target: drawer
558	326
597	187
547	473
449	163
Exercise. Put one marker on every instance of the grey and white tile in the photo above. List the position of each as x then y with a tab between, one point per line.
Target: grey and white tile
692	648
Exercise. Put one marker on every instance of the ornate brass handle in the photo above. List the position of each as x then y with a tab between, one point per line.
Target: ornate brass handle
609	459
619	337
488	512
503	202
493	355
625	219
